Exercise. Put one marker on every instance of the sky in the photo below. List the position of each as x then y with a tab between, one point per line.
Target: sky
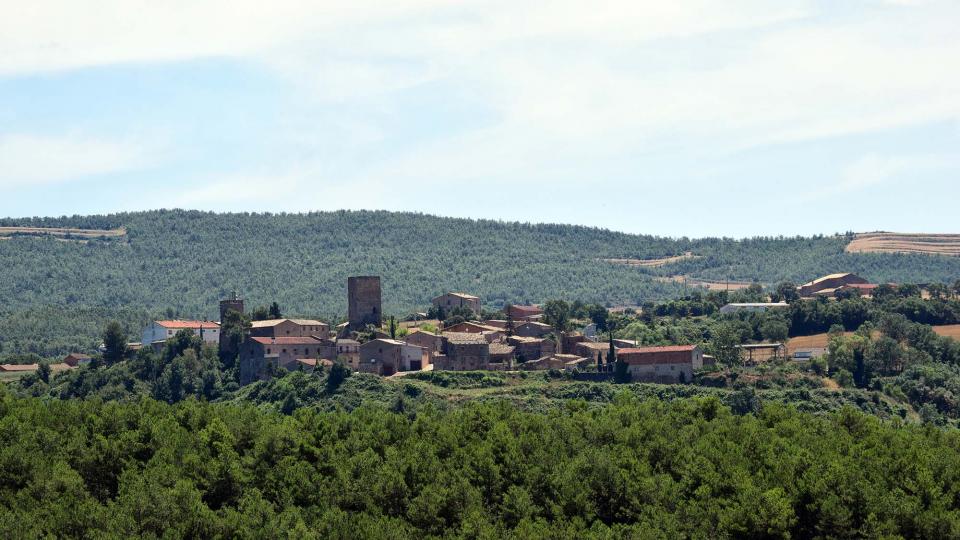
687	118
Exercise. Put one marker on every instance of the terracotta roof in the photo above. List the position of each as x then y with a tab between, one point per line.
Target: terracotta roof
388	341
529	309
308	322
347	342
19	367
535	324
191	325
306	340
501	348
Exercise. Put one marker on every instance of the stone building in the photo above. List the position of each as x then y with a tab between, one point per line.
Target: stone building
433	343
289	328
388	356
670	364
452	300
364	302
464	352
349	351
530	348
261	355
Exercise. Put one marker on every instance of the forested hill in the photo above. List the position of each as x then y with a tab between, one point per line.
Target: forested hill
184	261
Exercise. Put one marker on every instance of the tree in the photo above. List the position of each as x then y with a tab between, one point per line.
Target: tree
786	292
275	311
598	315
508	328
338	374
775	330
114	343
725	345
234	330
393	328
556	313
43	372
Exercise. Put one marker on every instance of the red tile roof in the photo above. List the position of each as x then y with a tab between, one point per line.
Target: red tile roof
191	325
656	355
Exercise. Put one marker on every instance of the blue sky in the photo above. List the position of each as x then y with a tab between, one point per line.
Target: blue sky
690	118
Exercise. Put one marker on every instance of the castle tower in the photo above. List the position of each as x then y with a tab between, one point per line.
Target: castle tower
234	302
364	301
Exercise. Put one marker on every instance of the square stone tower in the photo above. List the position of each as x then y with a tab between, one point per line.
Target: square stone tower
363	301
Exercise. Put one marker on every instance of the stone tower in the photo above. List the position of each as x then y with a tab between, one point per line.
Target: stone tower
234	302
363	301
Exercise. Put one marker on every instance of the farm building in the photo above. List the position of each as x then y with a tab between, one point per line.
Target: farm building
829	284
670	364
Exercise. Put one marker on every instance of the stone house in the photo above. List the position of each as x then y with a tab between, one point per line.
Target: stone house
453	300
388	356
464	352
672	364
261	355
289	328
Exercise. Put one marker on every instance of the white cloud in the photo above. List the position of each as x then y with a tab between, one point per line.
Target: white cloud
27	160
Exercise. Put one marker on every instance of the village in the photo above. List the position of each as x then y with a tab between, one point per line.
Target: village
520	341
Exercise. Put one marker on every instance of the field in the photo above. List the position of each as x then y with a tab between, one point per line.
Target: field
933	244
948	330
653	263
61	233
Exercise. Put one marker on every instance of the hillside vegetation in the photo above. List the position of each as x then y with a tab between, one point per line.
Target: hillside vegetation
180	263
687	469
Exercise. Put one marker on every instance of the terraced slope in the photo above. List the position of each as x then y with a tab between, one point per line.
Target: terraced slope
881	242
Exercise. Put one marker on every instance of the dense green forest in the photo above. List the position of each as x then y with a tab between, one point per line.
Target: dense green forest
691	468
180	263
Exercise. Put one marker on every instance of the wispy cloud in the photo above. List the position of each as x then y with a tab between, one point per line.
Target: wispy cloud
29	160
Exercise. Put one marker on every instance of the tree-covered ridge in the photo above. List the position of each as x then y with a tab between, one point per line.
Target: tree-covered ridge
180	263
689	468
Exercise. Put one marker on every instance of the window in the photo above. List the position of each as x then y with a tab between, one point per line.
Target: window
284	351
268	351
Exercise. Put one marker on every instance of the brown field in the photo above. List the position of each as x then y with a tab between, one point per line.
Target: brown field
821	340
933	244
948	330
652	263
78	234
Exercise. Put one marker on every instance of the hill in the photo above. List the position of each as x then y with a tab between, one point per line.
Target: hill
935	244
177	263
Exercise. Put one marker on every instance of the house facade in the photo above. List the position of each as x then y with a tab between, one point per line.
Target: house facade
160	331
464	352
672	364
261	355
388	356
453	300
289	328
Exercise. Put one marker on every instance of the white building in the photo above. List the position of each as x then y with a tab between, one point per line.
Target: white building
164	330
753	306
